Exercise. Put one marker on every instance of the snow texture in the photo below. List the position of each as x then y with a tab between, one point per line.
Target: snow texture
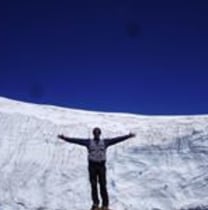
164	168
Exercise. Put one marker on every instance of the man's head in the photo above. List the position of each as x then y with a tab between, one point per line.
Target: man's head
96	132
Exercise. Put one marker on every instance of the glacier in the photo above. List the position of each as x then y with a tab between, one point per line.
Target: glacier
164	168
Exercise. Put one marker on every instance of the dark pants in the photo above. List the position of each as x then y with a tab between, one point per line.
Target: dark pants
97	173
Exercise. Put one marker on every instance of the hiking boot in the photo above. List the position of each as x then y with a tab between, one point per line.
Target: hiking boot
94	207
105	208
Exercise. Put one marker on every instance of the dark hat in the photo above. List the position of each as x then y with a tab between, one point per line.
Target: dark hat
96	130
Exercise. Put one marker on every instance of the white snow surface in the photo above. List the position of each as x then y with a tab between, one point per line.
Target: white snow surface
164	168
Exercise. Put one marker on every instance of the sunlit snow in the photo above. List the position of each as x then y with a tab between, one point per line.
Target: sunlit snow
164	168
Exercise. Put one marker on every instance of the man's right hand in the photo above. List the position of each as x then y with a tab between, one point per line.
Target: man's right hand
61	136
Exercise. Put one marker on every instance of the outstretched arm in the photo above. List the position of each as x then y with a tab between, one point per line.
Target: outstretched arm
118	139
82	142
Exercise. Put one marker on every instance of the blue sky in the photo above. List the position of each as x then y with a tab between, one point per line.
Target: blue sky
123	56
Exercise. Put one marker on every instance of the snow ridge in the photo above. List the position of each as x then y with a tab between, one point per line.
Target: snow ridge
165	167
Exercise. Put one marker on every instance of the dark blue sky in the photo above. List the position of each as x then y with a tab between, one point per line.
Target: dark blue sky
147	57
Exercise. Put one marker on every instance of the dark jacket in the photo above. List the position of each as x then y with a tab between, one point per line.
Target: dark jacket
97	148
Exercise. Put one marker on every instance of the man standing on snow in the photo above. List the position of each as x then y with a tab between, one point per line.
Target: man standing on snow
96	162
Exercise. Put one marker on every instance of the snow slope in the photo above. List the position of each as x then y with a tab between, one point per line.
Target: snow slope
164	168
